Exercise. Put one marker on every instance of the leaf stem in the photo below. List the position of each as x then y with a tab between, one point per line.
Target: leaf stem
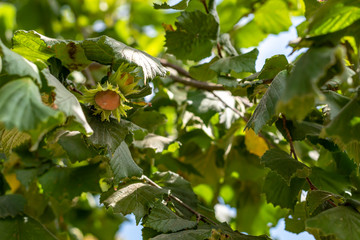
205	6
198	215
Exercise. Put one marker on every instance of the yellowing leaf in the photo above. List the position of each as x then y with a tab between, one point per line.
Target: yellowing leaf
254	143
12	181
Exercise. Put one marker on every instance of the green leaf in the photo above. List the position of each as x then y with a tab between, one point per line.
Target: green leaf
249	35
111	133
273	66
310	8
133	198
345	126
24	228
273	17
266	108
278	192
178	187
106	50
21	107
301	86
162	219
123	165
179	6
70	182
76	55
68	103
329	181
295	222
343	222
334	16
281	163
316	198
35	46
242	63
13	66
335	101
299	130
194	37
150	120
11	205
31	45
76	147
199	234
10	139
204	105
203	72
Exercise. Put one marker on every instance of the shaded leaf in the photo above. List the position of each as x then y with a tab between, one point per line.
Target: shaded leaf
71	182
76	147
24	228
343	222
133	198
68	103
278	192
21	100
111	133
199	234
299	130
242	63
194	36
329	181
266	108
301	86
273	66
203	72
317	197
296	221
178	187
11	205
281	163
203	104
162	219
345	126
123	165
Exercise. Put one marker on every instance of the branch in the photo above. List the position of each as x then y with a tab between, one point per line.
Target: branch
179	69
197	84
199	216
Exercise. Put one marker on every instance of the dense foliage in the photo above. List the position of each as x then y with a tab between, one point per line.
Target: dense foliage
81	146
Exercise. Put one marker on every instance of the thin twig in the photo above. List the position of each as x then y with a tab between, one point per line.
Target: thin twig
205	6
232	108
179	69
198	215
219	50
288	135
72	88
197	84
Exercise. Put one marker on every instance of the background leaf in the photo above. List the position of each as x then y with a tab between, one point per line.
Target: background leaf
194	36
